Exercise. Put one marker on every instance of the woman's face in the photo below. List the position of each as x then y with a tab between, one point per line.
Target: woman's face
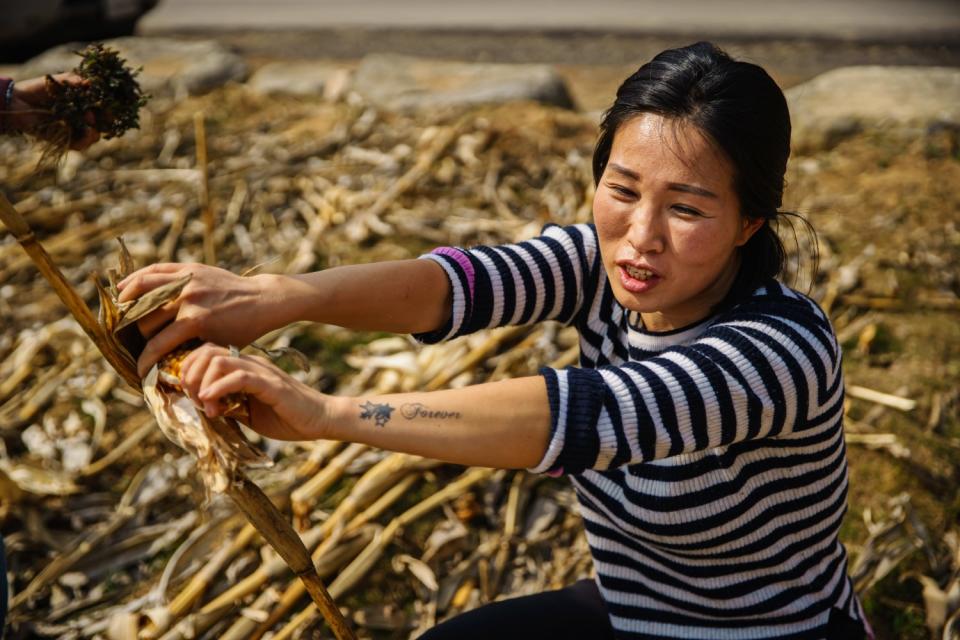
669	222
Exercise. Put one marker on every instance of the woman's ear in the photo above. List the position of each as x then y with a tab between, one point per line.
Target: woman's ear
748	227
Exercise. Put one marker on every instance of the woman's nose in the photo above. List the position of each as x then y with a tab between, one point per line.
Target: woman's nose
646	233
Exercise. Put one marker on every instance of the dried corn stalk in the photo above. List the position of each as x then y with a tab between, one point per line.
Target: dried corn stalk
218	444
78	308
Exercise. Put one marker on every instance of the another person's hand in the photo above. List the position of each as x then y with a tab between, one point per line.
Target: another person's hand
31	99
281	407
215	306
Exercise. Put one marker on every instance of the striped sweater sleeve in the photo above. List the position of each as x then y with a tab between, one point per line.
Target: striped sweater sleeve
762	370
517	284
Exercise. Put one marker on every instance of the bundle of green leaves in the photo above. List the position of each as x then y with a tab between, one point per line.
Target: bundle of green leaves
110	94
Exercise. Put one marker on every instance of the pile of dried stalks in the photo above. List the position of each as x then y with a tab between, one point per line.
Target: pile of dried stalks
107	531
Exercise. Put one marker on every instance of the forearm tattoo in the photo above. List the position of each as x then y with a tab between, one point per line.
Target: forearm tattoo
381	413
413	410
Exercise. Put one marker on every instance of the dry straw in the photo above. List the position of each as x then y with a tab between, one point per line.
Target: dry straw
248	497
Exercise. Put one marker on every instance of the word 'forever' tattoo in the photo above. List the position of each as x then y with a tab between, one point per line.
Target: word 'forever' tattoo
379	413
413	410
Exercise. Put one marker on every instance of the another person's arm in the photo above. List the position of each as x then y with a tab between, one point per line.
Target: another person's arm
24	103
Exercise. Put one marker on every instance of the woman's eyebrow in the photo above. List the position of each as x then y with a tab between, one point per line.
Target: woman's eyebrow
633	175
673	186
689	188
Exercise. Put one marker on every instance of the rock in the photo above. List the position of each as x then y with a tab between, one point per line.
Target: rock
170	66
408	83
908	102
300	78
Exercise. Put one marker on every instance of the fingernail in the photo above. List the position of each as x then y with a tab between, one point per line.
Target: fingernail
210	408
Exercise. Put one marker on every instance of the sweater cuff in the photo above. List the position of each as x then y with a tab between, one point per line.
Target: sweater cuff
460	285
576	400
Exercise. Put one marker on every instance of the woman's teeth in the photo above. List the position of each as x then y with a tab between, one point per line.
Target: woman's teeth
638	274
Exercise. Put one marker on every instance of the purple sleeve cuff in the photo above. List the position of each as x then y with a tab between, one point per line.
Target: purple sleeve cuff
462	276
464	263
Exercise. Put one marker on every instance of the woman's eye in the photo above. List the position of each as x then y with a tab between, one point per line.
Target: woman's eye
687	210
622	191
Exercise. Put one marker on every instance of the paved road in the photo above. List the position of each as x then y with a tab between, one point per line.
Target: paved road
913	20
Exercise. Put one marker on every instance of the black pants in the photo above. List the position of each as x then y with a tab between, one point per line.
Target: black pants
574	613
843	627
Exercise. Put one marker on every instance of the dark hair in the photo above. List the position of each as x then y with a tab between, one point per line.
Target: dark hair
741	109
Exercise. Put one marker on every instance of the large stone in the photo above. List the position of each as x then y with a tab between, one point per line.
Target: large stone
907	102
304	78
170	66
407	83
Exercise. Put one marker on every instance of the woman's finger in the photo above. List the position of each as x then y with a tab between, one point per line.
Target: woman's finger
88	137
69	77
217	367
240	380
142	280
194	366
157	320
142	283
211	372
166	340
221	363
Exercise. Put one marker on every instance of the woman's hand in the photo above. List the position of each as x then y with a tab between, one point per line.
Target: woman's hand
401	296
31	101
281	407
215	306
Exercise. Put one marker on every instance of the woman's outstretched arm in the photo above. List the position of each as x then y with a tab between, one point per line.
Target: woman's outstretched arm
452	292
403	296
504	424
400	296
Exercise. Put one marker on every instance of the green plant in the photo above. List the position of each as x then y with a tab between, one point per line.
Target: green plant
110	94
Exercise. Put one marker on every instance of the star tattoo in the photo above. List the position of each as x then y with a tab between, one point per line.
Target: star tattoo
380	413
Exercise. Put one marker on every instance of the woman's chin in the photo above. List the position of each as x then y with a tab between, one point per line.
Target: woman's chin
638	302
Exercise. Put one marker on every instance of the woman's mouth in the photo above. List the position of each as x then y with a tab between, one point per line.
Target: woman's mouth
638	274
636	279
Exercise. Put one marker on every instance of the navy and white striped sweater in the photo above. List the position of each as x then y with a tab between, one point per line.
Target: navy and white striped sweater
709	462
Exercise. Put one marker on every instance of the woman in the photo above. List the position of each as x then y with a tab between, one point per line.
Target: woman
702	431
